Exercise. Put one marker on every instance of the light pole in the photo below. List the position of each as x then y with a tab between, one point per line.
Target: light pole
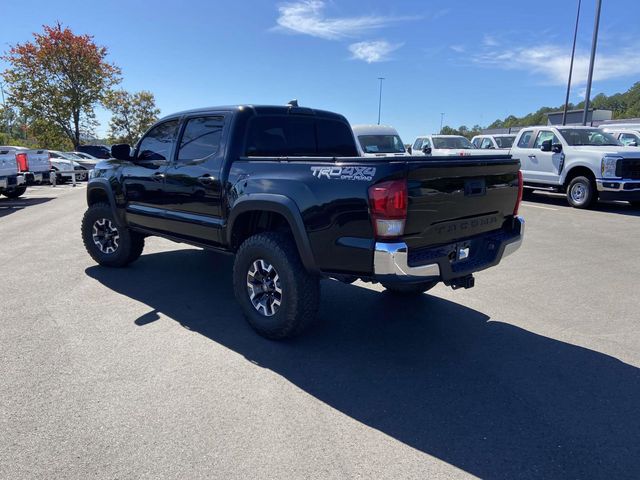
441	120
594	43
573	53
380	99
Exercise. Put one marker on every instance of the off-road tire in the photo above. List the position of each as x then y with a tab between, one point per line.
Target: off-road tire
409	288
14	192
300	289
585	200
130	244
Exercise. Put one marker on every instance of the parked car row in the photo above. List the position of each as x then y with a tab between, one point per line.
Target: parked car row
20	167
585	163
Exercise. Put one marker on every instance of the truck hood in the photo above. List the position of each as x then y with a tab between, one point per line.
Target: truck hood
627	152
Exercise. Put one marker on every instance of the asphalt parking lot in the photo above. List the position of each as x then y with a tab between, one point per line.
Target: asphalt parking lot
151	372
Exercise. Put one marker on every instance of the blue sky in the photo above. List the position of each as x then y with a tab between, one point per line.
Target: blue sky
473	60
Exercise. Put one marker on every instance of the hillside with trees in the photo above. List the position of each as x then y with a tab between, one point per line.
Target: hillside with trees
623	105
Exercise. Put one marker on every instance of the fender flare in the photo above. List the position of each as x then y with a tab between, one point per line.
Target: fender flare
103	185
567	168
284	206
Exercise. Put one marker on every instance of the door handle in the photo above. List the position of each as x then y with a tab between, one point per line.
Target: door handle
158	176
532	157
206	179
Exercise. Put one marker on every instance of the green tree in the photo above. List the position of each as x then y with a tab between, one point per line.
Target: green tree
132	115
59	78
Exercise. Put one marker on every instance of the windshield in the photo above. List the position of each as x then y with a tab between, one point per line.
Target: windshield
505	142
381	144
451	143
582	136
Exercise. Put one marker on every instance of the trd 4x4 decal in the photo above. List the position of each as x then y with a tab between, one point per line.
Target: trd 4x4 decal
344	173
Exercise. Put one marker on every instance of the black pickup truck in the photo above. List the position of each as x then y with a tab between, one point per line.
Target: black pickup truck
283	189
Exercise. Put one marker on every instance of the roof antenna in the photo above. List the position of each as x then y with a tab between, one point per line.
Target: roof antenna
293	103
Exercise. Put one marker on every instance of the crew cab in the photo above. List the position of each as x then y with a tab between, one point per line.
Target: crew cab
33	164
12	183
501	141
65	166
444	145
378	141
284	189
584	162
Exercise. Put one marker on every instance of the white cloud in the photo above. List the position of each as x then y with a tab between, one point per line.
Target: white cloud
373	51
457	48
308	17
490	41
551	63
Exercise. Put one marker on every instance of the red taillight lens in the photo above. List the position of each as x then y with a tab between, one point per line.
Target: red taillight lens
388	202
23	163
520	190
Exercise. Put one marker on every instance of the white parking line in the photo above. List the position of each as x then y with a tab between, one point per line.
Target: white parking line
525	204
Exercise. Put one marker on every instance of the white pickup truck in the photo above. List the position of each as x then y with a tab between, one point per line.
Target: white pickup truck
378	141
444	145
32	163
12	183
499	141
584	162
626	136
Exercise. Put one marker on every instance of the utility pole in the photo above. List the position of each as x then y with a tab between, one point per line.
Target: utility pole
380	99
441	120
573	53
594	44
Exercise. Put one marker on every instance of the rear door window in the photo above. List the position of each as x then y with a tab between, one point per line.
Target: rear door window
200	139
525	138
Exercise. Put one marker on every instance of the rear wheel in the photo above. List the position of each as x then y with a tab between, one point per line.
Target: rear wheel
14	192
278	297
108	243
409	288
581	192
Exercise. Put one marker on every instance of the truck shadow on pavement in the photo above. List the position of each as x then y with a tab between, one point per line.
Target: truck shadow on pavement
9	206
560	200
490	398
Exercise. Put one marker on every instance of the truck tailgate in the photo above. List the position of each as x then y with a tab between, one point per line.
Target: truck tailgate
458	198
38	161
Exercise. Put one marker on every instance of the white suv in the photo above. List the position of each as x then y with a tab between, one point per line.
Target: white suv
584	162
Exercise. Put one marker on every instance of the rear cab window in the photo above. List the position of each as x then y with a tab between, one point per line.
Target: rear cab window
299	136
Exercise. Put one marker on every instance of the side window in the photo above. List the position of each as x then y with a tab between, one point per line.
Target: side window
201	138
628	138
525	138
157	144
426	143
418	144
543	136
476	142
486	143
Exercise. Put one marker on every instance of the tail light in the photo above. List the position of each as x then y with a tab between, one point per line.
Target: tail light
22	161
388	203
520	190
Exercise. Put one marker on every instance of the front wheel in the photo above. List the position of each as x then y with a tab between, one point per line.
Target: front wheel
108	243
14	192
278	297
581	193
409	288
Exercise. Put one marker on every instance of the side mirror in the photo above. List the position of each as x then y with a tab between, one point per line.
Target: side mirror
121	151
426	150
556	148
546	146
409	150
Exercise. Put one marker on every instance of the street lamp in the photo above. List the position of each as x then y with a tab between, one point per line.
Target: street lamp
573	53
441	120
594	43
380	99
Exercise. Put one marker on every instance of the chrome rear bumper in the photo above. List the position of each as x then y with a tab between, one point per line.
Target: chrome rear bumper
391	260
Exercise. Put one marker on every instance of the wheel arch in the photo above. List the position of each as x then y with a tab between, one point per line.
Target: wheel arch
275	204
99	191
576	170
